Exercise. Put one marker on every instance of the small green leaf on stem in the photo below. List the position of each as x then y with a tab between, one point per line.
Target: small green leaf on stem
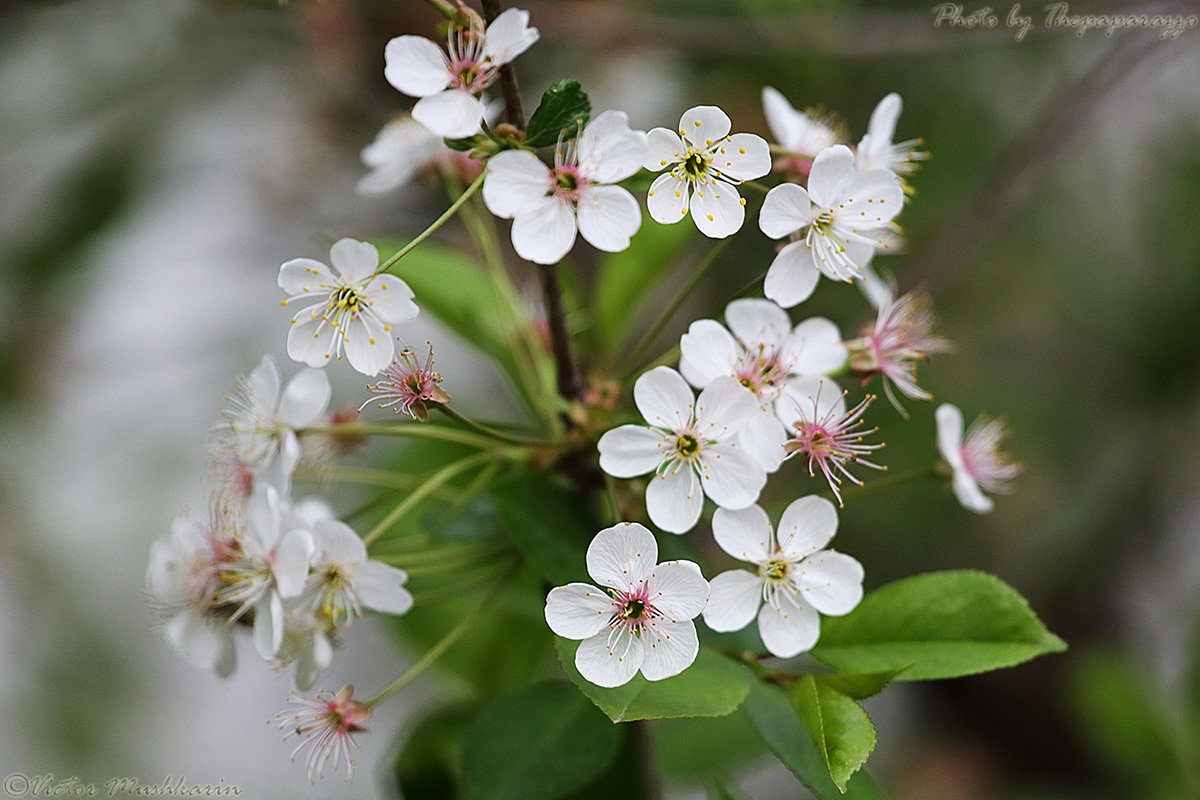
565	107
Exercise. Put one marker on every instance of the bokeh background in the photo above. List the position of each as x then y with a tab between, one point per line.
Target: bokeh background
160	158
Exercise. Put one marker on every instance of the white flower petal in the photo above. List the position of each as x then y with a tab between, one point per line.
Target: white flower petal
335	542
782	118
872	201
788	631
517	182
305	276
608	217
677	590
969	494
762	437
508	36
305	398
815	347
745	534
875	145
704	125
744	156
609	667
663	148
262	517
667	200
631	450
608	150
289	457
369	347
664	399
733	600
381	587
290	566
578	611
731	477
391	299
353	259
792	276
809	399
545	234
706	351
830	582
755	321
195	639
268	625
622	556
950	434
787	208
310	339
452	114
807	525
416	66
723	408
674	499
717	209
670	648
832	173
263	385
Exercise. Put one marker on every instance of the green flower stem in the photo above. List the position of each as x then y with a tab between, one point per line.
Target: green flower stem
434	481
778	150
375	477
447	556
477	484
435	652
437	223
891	481
639	351
492	432
445	8
413	429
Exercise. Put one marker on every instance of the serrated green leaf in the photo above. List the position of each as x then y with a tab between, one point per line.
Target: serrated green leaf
940	624
712	686
564	107
548	523
780	727
539	743
859	685
840	728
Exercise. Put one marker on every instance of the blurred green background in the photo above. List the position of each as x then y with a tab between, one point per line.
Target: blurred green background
160	158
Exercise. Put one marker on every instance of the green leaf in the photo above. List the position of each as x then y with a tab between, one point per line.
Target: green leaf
564	106
627	278
548	523
839	727
859	685
712	686
781	729
705	748
427	766
936	625
539	743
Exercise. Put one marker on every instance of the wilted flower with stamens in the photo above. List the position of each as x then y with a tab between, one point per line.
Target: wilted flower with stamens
823	432
795	578
326	726
975	461
876	150
547	205
641	620
835	224
355	307
689	444
901	335
764	353
704	165
409	387
449	85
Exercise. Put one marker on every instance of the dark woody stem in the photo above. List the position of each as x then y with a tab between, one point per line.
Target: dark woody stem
569	384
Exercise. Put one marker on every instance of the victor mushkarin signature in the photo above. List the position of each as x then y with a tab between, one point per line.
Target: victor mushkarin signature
17	784
1058	16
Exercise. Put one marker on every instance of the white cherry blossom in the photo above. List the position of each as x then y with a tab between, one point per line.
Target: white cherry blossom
876	150
449	83
976	462
704	163
835	225
401	149
762	350
354	308
796	131
690	446
548	204
794	581
344	580
261	421
640	620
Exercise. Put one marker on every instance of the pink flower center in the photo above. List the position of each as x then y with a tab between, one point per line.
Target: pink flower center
567	183
761	372
632	611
